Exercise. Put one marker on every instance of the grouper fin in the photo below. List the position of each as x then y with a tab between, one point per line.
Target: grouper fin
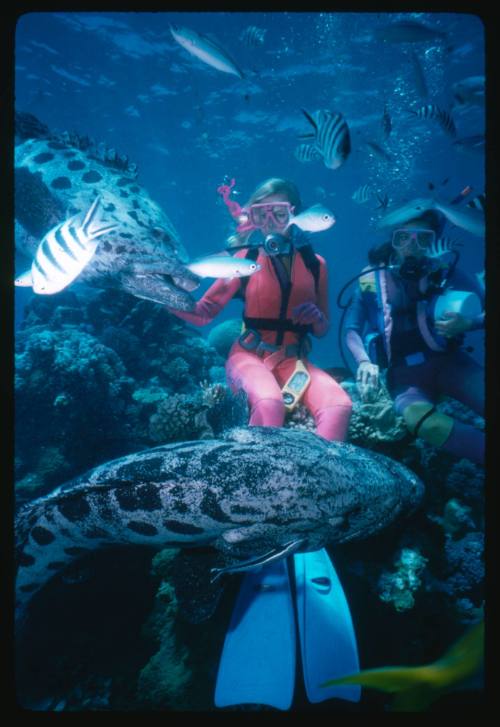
252	564
24	280
189	574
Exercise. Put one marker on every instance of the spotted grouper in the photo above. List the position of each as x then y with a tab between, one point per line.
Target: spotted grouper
254	491
59	176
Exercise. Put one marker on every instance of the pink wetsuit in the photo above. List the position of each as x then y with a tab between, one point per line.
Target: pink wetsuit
262	376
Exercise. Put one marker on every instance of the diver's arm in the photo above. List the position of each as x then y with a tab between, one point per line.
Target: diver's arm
354	343
214	300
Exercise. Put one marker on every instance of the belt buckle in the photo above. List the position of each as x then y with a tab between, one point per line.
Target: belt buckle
250	339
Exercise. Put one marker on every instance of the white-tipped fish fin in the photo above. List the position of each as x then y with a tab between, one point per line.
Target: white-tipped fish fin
101	231
25	280
87	221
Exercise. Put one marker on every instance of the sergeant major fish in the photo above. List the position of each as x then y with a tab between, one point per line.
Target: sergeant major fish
233	494
63	253
331	136
59	175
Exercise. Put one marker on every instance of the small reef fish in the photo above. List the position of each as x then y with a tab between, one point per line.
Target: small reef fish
467	218
386	123
407	31
331	136
64	252
306	153
223	266
417	687
441	246
469	91
314	219
377	149
478	203
471	144
431	111
206	50
363	194
420	82
407	211
253	36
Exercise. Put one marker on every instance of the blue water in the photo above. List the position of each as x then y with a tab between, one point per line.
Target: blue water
122	78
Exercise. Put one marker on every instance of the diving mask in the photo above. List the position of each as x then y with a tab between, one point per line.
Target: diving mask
268	215
424	238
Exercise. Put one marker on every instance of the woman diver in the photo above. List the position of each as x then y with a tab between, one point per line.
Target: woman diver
284	302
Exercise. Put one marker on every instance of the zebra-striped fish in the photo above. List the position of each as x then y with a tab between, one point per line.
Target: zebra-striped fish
441	246
386	123
306	153
331	136
63	253
431	111
363	194
253	36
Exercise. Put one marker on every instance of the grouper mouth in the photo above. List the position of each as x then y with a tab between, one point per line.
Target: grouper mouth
171	290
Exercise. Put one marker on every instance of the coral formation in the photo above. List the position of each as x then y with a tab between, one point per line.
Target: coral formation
222	336
399	587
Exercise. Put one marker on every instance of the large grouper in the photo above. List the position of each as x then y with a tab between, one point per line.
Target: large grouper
255	494
59	176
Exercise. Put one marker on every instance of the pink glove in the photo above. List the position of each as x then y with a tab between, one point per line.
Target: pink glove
307	314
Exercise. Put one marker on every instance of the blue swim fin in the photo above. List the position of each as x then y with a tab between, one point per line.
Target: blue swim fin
327	639
257	665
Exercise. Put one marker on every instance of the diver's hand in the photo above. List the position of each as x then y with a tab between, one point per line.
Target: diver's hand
367	380
452	324
307	314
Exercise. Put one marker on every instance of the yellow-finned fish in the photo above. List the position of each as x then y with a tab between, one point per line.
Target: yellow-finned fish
417	687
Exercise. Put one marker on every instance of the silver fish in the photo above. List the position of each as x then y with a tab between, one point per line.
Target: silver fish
405	212
467	218
206	50
331	136
471	144
223	266
469	91
314	219
407	31
64	252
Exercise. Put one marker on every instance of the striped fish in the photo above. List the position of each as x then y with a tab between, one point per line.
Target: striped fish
253	36
64	252
363	194
431	111
331	136
306	153
442	246
478	203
